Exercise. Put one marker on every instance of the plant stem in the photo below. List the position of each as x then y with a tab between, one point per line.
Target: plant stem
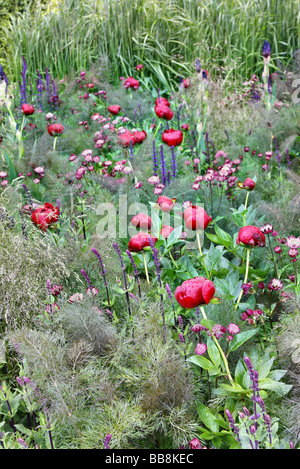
220	350
246	277
200	251
158	126
246	203
161	224
170	254
146	268
220	200
211	199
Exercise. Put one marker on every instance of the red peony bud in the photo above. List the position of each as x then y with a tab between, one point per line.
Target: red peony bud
248	184
166	230
164	112
166	204
172	137
196	218
55	129
139	241
250	236
141	220
162	101
194	292
27	109
114	109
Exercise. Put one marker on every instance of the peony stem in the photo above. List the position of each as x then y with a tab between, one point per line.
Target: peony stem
246	277
246	203
22	125
172	258
161	225
220	350
158	126
20	139
146	268
200	251
54	143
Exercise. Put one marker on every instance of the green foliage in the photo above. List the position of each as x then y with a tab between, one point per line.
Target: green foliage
24	422
10	8
133	370
26	263
163	35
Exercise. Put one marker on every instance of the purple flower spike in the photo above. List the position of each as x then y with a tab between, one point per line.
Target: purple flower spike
154	158
107	441
102	269
173	163
163	165
266	50
87	279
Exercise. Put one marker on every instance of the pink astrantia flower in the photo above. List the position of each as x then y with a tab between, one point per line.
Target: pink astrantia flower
275	284
201	349
233	329
198	328
267	228
157	190
218	331
153	180
293	242
39	170
293	252
75	298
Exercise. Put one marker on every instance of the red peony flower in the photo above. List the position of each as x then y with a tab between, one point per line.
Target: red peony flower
141	220
125	138
139	67
196	218
131	83
114	109
194	292
250	236
139	241
45	215
185	126
172	137
186	83
166	230
55	129
139	136
27	109
248	184
165	204
162	101
164	112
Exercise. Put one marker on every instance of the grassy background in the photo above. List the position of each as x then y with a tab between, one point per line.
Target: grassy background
165	35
